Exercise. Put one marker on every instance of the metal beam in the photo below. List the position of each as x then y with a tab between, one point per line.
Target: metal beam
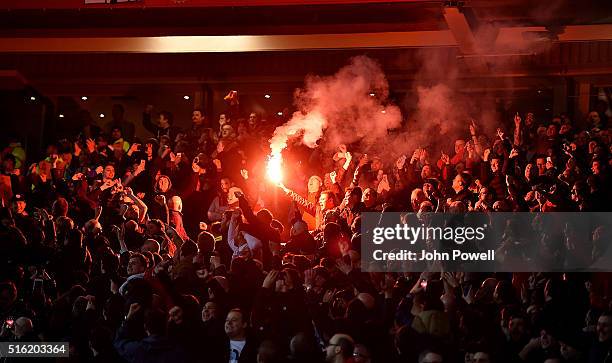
230	43
458	25
512	37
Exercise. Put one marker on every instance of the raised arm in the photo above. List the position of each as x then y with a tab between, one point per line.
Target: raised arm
518	130
232	232
142	207
147	120
309	207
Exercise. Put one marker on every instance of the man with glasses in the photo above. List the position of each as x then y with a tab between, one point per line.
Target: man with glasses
340	349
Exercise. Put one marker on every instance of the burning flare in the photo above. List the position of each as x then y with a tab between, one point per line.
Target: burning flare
274	170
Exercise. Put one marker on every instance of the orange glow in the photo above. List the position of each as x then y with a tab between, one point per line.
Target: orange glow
274	170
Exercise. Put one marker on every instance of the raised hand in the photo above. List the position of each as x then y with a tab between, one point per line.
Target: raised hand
44	215
469	147
129	191
161	199
91	302
329	294
114	287
422	154
517	119
140	168
77	149
450	279
383	185
356	173
364	160
133	148
485	155
134	308
513	153
270	279
232	97
415	156
343	266
308	278
400	162
348	156
445	158
91	145
473	128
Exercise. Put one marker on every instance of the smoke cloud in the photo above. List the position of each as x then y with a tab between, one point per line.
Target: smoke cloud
352	107
348	107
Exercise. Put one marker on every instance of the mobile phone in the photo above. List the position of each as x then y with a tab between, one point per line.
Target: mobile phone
9	323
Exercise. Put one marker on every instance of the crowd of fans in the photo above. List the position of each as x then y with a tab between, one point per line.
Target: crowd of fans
175	248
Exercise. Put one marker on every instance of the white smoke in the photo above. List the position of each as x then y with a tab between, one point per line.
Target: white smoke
350	106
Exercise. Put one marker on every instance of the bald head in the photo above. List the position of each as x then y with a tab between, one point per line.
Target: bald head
23	326
340	348
150	245
302	345
92	226
367	300
131	226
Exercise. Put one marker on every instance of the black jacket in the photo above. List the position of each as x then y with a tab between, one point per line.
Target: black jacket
248	354
158	131
151	349
280	316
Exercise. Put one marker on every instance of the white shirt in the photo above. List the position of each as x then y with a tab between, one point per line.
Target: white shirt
253	243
